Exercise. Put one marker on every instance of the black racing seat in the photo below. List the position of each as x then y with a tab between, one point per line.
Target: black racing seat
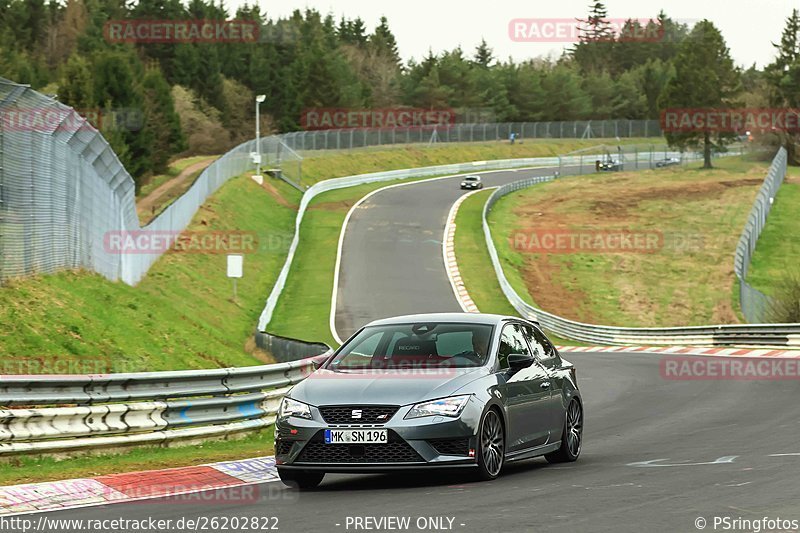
415	346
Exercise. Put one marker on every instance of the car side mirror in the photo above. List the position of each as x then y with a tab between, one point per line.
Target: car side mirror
517	361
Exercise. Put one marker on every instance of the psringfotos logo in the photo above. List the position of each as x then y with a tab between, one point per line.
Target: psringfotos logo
181	31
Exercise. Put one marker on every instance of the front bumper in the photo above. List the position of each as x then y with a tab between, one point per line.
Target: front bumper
435	441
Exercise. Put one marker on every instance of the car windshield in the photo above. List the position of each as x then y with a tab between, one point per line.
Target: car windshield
421	345
471	178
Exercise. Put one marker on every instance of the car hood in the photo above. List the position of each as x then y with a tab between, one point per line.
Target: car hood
384	387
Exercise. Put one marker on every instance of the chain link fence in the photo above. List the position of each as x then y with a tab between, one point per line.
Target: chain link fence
63	191
348	139
754	303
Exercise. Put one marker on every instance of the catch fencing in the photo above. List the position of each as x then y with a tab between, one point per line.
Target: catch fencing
754	303
718	335
57	414
63	190
348	139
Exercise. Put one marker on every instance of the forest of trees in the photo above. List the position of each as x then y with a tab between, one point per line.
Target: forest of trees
198	98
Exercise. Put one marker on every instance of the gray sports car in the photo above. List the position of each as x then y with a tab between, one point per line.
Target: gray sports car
459	390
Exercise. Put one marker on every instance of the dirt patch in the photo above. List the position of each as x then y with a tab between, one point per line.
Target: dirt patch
275	193
342	205
540	275
622	201
148	206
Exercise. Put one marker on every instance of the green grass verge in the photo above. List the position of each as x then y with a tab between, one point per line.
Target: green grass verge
699	214
180	316
29	469
777	253
475	265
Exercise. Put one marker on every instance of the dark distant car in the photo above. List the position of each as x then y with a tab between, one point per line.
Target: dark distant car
609	165
471	182
668	162
459	390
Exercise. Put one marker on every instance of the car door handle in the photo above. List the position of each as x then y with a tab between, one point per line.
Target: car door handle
545	385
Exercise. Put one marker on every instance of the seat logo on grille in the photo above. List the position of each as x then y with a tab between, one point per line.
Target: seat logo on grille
356	413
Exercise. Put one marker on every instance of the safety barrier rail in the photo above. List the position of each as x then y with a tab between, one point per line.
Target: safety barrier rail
718	335
74	412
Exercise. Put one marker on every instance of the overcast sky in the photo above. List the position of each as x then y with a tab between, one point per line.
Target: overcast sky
749	26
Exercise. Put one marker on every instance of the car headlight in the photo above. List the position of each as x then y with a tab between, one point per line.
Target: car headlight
463	183
451	406
291	407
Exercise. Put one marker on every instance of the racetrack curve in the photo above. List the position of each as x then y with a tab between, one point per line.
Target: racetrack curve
391	259
632	415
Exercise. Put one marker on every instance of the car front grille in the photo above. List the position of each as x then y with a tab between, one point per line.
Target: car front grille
451	446
395	451
369	414
284	447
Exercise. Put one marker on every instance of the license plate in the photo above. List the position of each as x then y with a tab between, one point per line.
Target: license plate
356	436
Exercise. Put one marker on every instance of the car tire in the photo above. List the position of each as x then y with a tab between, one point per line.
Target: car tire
491	446
572	436
301	479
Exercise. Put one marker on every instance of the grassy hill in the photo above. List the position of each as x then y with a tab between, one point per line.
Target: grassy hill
696	215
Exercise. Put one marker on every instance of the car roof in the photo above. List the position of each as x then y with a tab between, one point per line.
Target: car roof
469	318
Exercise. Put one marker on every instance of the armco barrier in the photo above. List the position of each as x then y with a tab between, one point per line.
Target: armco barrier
719	335
285	349
88	411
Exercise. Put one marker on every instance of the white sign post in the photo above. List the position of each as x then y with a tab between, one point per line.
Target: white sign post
235	269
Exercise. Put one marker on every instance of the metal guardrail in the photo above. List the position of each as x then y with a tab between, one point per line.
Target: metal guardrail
754	303
718	335
73	412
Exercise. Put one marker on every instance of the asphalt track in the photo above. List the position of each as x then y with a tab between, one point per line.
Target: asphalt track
632	416
391	259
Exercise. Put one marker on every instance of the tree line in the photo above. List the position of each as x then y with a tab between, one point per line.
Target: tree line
198	97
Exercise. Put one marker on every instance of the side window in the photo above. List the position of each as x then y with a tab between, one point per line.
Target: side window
549	355
512	340
539	349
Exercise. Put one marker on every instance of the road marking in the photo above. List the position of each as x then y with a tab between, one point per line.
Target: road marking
727	459
784	454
